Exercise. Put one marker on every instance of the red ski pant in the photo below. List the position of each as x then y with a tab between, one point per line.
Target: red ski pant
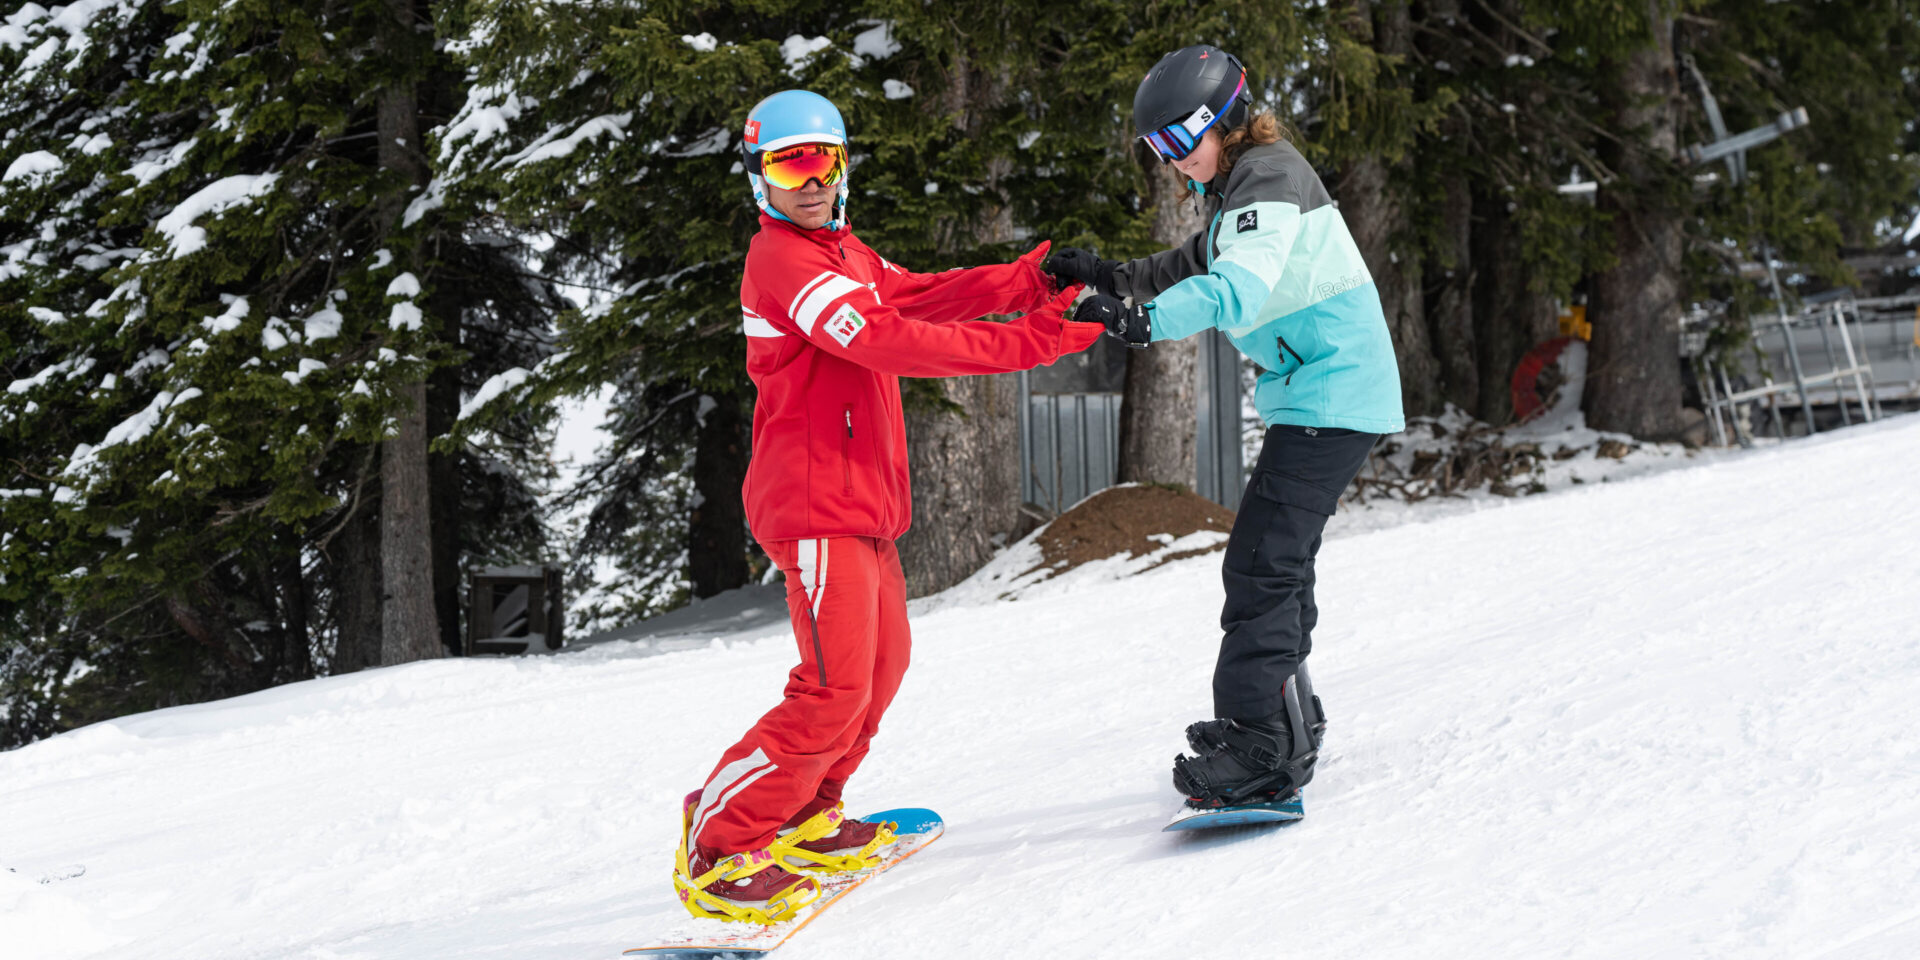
848	601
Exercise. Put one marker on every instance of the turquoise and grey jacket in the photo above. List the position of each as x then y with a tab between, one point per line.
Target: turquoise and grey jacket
1276	270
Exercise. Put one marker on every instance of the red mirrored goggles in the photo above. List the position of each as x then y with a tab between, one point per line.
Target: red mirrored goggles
792	167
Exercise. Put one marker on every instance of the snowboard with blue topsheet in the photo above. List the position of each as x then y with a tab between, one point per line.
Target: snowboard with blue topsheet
1200	818
699	939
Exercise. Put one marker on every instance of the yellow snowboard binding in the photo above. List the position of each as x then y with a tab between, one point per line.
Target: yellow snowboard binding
818	827
742	867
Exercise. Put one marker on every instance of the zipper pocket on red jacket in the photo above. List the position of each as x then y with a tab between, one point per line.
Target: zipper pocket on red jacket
846	452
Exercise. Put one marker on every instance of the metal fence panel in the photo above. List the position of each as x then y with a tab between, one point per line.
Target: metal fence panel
1070	449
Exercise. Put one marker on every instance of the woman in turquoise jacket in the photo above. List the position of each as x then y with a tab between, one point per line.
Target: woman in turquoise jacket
1276	270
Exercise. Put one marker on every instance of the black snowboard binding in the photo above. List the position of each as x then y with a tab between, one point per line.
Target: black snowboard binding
1242	761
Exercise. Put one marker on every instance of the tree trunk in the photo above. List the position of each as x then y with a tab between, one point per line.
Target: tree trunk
1633	384
1380	228
354	560
717	528
287	594
443	480
965	470
1157	412
1377	221
965	467
409	628
1450	312
1510	316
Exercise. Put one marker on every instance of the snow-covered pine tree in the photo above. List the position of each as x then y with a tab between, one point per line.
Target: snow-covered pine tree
219	286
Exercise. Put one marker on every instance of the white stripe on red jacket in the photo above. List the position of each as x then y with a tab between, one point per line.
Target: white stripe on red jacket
831	327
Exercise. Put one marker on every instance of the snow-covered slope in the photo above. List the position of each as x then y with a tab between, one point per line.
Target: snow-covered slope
1672	717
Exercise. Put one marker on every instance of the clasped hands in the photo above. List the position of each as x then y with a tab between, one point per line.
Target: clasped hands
1131	324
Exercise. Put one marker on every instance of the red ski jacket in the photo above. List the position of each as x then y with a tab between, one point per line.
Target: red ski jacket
831	328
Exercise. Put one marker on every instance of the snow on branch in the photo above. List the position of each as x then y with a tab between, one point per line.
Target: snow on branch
496	385
32	167
797	49
131	430
505	382
876	43
185	239
612	124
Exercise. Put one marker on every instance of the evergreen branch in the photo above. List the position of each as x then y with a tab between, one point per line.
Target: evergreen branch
619	453
353	502
1541	45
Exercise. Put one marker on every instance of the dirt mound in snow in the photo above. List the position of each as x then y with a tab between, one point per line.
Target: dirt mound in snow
1134	520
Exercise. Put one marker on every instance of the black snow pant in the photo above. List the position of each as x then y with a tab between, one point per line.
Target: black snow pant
1269	614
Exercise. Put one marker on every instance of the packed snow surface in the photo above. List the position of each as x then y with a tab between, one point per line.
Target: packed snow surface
1671	716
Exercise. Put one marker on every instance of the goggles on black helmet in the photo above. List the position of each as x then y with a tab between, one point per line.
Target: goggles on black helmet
1176	140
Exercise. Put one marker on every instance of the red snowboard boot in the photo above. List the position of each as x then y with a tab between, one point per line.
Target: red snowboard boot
846	846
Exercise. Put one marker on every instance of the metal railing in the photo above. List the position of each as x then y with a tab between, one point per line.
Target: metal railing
1833	324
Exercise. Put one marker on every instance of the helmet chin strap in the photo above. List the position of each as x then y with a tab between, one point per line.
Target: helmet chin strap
839	202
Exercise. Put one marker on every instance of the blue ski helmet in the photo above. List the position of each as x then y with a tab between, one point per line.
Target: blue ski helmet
787	118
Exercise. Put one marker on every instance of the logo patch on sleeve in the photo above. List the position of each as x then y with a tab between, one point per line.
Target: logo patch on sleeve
1248	221
845	324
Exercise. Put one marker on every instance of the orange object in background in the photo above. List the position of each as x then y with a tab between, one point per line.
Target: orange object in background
1573	323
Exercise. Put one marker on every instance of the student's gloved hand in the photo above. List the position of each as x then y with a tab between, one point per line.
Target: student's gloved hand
1074	265
1123	322
1074	337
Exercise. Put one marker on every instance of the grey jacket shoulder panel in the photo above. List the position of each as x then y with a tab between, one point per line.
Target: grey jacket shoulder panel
1274	173
1268	172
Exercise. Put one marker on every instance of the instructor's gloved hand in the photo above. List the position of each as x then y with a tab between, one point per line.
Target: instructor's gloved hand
1123	322
1074	265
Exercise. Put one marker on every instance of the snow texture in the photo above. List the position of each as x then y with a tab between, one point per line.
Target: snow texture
496	385
158	162
613	125
876	43
229	321
185	239
1667	717
433	199
31	167
404	285
895	90
405	316
701	42
324	324
307	365
131	430
797	49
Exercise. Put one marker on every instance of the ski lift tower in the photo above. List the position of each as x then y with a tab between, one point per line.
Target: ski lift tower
1721	399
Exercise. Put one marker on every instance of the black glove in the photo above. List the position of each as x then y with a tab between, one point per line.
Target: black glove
1123	322
1074	265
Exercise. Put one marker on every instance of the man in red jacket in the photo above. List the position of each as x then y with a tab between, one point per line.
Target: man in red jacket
831	326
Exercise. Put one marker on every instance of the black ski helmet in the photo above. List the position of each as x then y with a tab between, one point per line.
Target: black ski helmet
1184	82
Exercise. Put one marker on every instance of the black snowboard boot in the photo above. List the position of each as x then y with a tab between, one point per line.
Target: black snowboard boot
1241	760
1206	736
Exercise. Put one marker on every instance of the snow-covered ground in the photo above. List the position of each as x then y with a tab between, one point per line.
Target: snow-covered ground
1671	716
